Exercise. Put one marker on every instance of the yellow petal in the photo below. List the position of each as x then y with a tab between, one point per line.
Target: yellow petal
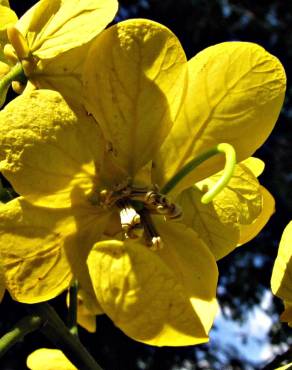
256	165
49	359
285	367
165	299
287	314
139	66
85	316
235	89
7	17
217	227
52	27
41	248
248	232
47	151
281	281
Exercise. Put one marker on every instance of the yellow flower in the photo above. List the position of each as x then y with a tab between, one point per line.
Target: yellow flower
49	359
281	281
51	39
96	192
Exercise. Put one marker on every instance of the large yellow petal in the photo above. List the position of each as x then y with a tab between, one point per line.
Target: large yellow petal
281	281
217	227
134	83
235	89
42	248
47	150
159	299
7	17
52	27
49	359
248	232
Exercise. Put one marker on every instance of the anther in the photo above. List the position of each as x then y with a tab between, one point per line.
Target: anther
130	219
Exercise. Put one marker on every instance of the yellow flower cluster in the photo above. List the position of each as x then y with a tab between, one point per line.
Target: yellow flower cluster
106	120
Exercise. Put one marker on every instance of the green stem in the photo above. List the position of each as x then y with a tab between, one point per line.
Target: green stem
25	326
230	155
15	74
72	310
59	334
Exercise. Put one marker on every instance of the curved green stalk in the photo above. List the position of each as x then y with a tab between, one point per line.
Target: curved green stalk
25	326
230	156
15	74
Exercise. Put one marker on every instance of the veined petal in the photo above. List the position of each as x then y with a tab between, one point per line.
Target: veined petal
189	257
234	88
62	73
281	281
217	227
52	27
47	150
242	195
248	232
49	359
134	82
159	299
42	248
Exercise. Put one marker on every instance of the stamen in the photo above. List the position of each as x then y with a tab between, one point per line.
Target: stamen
152	238
130	219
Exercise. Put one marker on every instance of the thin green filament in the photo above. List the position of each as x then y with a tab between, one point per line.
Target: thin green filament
228	170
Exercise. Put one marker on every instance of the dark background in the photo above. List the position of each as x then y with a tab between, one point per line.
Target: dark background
245	273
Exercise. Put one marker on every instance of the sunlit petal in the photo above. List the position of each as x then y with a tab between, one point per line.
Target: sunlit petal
43	248
49	359
134	88
234	89
50	25
47	149
159	299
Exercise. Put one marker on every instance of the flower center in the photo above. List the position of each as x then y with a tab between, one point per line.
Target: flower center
136	205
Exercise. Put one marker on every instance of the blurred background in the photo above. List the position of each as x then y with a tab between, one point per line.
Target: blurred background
247	334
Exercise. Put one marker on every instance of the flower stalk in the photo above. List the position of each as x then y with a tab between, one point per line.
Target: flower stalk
57	332
72	310
15	74
25	326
